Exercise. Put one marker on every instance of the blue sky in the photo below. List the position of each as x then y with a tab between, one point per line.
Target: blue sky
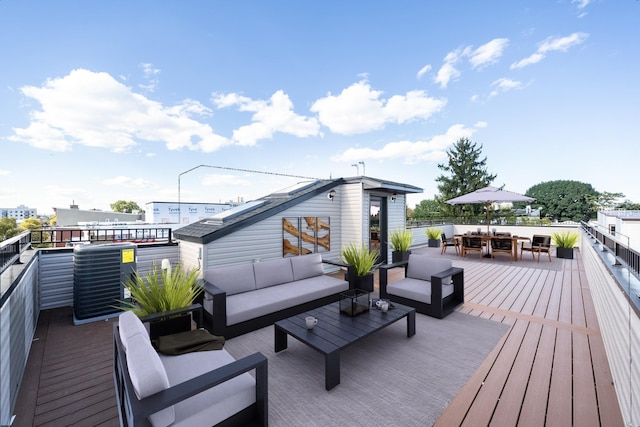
103	101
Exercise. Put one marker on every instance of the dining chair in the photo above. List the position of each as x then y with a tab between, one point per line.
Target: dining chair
471	244
502	245
539	244
451	241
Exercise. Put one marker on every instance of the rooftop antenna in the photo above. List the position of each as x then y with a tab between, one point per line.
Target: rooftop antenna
362	163
357	168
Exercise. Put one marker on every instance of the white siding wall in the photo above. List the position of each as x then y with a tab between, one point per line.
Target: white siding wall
620	329
263	240
354	213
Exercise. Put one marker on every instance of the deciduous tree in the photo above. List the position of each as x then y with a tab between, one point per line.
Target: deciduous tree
124	206
565	200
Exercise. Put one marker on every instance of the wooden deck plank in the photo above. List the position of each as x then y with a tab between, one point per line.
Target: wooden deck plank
560	408
534	405
608	406
482	408
585	403
511	398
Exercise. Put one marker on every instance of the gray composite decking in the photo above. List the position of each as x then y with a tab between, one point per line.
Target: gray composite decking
549	369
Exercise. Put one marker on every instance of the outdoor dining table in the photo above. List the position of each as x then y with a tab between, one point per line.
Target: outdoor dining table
486	240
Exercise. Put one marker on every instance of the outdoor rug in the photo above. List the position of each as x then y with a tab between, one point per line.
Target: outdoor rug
387	379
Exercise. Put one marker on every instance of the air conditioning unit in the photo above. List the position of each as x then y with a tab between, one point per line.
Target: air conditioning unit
98	275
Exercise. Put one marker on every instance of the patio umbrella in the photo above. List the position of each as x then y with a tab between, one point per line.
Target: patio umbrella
489	195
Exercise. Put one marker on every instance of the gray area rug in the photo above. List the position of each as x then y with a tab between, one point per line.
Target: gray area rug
387	379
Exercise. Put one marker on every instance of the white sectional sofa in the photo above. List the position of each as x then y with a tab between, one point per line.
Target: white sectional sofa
246	297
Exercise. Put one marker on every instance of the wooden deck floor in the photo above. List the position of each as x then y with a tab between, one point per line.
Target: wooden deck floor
549	369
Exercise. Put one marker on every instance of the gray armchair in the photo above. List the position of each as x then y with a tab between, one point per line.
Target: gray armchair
431	285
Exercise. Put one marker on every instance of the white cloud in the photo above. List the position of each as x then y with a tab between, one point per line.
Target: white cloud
95	110
551	44
128	182
488	53
424	70
221	179
151	76
274	115
4	173
410	152
360	109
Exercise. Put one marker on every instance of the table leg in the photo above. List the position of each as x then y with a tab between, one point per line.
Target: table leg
332	369
280	339
411	323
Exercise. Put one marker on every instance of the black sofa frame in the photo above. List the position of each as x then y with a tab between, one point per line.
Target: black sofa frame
134	412
216	323
439	307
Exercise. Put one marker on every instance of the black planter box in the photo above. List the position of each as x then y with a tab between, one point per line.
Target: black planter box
397	256
354	302
170	325
566	253
433	243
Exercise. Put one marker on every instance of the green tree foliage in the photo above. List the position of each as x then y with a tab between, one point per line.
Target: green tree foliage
467	172
565	200
8	228
124	206
427	209
31	224
36	224
629	205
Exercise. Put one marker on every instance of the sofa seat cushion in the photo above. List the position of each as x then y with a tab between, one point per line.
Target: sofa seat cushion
251	305
215	404
233	279
416	289
423	267
273	272
306	266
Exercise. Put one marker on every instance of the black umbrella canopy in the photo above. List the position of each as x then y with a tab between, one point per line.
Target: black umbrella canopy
487	196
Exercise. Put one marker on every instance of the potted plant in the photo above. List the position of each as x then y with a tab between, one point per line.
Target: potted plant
565	242
162	290
400	240
361	262
433	234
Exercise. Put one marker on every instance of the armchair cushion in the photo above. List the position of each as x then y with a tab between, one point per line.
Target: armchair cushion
422	267
234	279
130	326
272	272
416	289
148	375
306	266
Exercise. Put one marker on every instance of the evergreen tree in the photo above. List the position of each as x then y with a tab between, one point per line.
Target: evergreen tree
467	173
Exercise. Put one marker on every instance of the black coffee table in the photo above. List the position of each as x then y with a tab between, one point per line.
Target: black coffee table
336	331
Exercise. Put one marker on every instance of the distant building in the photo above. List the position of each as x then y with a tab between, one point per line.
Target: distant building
20	213
74	216
622	225
182	213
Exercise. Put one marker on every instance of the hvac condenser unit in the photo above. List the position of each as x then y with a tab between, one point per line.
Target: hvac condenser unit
98	275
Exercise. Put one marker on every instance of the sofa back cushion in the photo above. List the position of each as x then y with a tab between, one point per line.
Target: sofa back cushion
306	266
148	376
129	325
273	272
233	280
424	266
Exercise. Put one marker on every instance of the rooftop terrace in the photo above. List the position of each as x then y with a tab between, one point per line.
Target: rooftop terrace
550	368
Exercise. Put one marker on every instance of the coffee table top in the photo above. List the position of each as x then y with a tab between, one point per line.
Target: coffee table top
336	330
